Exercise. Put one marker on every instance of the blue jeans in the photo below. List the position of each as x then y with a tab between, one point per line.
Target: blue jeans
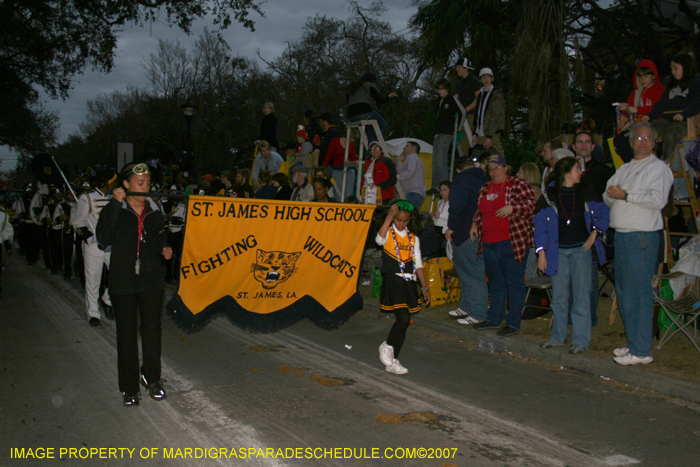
593	295
369	130
573	275
474	293
635	262
416	199
337	174
506	282
441	167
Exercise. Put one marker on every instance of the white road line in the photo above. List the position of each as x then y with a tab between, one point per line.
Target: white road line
65	310
401	395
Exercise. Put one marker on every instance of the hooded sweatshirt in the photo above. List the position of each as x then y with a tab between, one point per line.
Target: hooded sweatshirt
644	99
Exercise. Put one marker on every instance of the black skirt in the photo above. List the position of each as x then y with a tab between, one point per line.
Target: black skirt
398	293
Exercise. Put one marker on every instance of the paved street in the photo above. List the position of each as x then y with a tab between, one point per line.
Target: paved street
303	389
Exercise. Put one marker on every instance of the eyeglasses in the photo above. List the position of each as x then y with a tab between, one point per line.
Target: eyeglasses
405	206
644	139
141	169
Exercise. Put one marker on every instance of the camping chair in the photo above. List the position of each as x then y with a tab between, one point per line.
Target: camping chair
539	282
686	306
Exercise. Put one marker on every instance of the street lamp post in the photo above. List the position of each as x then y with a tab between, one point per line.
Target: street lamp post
188	110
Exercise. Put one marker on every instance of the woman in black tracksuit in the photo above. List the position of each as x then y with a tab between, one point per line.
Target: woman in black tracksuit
133	227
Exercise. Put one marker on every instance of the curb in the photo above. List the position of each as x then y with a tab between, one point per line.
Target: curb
604	368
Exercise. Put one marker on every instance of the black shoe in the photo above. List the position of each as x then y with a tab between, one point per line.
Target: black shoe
131	398
484	325
433	191
95	322
155	390
109	311
508	331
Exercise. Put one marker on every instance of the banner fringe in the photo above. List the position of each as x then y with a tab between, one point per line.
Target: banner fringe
305	307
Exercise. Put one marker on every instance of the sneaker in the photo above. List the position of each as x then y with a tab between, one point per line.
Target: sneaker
95	322
155	390
577	349
468	320
630	359
484	325
396	367
621	352
507	331
366	282
458	313
386	354
550	344
131	398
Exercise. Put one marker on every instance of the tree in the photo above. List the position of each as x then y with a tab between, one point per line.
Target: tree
540	69
45	43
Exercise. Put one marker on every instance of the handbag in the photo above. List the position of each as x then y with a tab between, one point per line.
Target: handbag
311	160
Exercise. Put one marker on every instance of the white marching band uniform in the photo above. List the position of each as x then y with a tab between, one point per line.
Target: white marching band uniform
86	214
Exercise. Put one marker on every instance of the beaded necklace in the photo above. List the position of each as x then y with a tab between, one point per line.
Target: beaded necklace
398	253
573	208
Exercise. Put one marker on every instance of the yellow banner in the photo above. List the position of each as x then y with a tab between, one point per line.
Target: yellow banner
265	256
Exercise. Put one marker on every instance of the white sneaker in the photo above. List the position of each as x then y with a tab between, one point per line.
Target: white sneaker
621	352
468	320
396	368
458	313
630	359
386	354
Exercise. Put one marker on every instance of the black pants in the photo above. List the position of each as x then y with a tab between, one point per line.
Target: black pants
56	249
44	245
172	265
68	243
397	334
145	308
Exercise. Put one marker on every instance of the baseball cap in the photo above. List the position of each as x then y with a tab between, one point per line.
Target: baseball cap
485	71
466	63
497	158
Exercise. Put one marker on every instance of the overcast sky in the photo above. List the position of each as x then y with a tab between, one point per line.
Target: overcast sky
283	21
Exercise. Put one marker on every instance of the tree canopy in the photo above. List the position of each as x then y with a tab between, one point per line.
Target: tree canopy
45	43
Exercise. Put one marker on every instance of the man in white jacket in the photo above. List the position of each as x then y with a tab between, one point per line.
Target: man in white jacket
636	195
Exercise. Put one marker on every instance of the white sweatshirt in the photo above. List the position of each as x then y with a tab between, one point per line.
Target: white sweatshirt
647	183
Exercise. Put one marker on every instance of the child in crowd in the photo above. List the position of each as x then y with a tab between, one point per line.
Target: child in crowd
402	268
647	91
441	213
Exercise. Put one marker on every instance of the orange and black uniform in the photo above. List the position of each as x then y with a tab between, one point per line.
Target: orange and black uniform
398	295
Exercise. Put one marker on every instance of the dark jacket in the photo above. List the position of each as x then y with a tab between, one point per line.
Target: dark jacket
448	109
268	130
678	101
118	227
329	135
598	174
266	192
284	193
467	89
464	196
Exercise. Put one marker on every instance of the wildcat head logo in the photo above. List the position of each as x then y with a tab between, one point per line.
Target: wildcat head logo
274	267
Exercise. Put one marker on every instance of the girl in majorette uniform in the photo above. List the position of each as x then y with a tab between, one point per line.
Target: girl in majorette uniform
402	269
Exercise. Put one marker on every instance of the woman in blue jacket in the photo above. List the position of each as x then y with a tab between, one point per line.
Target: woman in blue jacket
569	218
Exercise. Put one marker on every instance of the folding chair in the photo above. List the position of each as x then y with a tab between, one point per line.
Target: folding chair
539	282
686	306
